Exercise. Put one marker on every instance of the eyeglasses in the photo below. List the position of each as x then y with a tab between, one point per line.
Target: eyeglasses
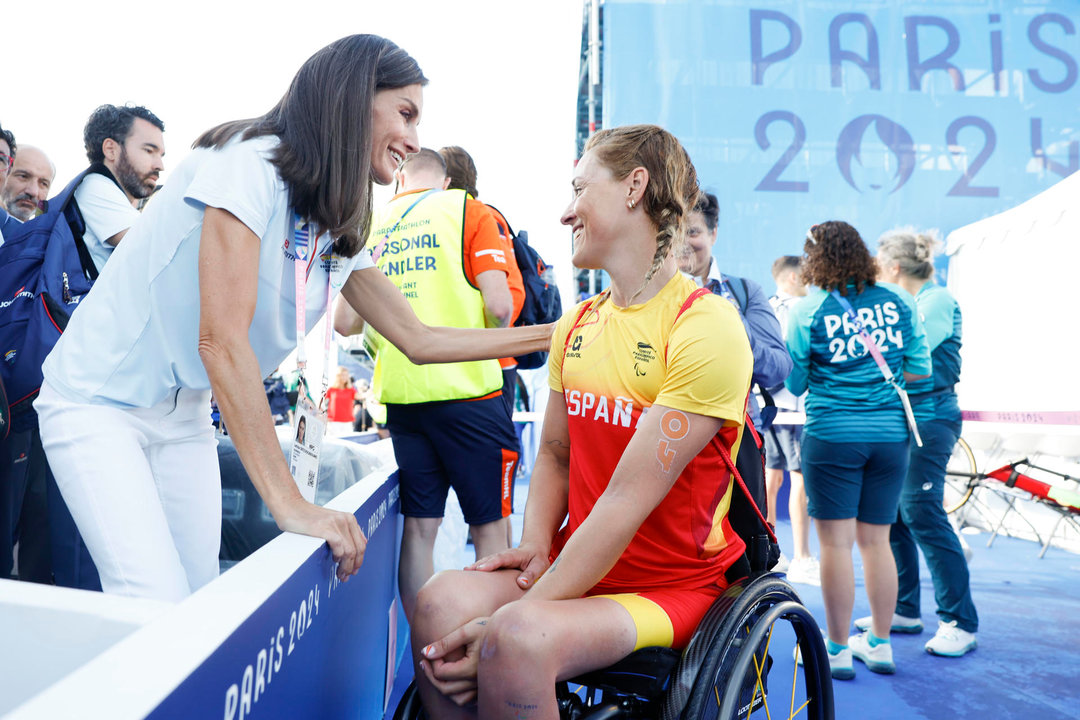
6	160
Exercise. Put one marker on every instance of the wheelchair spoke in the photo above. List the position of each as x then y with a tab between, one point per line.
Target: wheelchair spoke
794	682
759	682
801	708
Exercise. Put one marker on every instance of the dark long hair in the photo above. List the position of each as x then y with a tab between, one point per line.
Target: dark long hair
836	255
324	124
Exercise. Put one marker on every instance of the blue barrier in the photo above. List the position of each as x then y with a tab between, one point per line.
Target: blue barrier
277	636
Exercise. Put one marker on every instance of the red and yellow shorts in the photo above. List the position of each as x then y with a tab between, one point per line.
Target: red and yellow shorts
667	618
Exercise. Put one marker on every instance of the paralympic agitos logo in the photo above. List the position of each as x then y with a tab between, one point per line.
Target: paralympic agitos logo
898	159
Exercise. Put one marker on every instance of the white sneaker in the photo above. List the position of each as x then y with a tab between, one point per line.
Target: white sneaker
951	641
840	666
878	658
781	565
900	624
805	571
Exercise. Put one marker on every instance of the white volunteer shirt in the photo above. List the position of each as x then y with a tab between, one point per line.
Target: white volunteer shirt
107	211
134	339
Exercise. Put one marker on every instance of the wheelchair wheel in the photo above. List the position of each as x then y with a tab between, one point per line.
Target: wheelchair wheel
961	476
745	641
409	708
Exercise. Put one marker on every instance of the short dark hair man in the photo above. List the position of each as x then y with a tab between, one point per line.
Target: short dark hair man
126	145
28	183
7	159
783	441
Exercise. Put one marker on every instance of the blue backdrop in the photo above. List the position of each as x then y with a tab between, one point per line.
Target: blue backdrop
877	112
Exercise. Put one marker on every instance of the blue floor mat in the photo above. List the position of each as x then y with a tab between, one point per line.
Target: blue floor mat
1027	664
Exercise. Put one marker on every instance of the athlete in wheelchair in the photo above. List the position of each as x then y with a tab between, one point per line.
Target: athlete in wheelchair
649	382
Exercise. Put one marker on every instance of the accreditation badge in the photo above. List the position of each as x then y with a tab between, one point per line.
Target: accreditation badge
309	425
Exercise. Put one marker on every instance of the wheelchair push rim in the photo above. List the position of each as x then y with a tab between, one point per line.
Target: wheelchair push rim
734	662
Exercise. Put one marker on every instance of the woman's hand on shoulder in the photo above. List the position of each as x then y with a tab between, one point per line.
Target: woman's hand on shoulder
530	559
339	529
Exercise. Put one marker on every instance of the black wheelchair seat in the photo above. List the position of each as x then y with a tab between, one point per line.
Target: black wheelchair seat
644	674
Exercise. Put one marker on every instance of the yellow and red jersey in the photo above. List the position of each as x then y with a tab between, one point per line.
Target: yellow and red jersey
618	363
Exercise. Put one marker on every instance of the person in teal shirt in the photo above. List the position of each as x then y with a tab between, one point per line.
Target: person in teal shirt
856	437
906	258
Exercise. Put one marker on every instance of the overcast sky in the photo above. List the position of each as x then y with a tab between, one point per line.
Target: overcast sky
503	80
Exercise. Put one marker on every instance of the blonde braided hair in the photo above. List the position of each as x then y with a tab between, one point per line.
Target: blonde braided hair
672	189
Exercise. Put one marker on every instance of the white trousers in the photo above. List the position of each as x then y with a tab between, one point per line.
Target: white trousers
143	486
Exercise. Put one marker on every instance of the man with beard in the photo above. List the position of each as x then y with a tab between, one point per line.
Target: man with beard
125	146
28	183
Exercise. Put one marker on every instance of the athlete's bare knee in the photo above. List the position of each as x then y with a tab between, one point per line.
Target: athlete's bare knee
516	636
441	606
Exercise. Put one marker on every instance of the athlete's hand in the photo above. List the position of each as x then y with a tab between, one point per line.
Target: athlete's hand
450	664
531	560
340	530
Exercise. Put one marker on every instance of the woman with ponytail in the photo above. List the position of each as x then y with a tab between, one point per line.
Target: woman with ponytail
905	257
648	390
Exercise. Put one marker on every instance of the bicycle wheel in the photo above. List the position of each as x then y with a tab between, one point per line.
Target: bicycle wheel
961	476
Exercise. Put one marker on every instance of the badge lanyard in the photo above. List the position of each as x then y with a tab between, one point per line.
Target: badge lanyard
726	293
309	421
378	251
370	344
886	371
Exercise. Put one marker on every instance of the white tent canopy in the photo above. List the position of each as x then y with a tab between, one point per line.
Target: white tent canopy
1015	277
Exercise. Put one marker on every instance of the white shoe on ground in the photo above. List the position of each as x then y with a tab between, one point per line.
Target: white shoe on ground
878	659
951	641
781	565
840	666
900	624
805	571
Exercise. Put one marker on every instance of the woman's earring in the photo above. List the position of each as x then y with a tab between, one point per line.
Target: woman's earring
630	204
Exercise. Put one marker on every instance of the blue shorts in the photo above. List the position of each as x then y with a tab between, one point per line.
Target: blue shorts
469	445
782	447
854	479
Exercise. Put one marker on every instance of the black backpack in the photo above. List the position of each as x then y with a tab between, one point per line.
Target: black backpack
543	303
748	507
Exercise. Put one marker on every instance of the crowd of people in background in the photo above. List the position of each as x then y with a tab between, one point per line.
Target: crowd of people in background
853	362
